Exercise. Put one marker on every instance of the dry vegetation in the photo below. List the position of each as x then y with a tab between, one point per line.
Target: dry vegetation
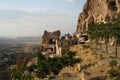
95	63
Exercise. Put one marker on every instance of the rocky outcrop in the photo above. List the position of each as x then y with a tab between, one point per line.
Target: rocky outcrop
48	36
97	11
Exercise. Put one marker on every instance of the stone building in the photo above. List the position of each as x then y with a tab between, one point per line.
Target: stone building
53	44
50	43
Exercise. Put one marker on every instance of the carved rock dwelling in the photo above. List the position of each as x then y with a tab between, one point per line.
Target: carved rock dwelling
50	43
53	44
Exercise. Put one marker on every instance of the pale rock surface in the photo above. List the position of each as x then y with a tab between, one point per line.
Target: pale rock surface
97	11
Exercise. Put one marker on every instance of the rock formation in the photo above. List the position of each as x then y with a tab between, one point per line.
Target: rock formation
97	11
48	36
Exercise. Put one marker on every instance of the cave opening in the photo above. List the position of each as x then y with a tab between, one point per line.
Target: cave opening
79	21
118	1
112	5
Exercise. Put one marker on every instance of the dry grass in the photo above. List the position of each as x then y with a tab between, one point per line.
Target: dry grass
95	62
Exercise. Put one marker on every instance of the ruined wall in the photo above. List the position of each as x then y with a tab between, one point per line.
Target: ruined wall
49	36
97	11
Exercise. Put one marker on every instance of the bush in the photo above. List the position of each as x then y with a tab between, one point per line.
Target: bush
31	68
27	77
86	46
55	65
113	73
45	66
51	77
112	63
16	74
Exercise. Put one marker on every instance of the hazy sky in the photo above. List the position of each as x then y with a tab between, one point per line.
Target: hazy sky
31	17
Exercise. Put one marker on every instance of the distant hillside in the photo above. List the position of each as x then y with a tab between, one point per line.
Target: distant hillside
29	38
19	39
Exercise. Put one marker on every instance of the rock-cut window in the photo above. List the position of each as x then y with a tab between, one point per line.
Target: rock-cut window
112	5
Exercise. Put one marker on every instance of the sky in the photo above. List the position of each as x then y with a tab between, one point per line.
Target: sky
26	18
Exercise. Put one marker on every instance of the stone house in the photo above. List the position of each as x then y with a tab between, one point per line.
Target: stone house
50	43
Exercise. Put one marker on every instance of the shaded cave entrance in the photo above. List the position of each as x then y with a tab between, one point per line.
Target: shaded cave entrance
112	5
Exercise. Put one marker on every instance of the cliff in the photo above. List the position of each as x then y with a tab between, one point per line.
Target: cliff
97	11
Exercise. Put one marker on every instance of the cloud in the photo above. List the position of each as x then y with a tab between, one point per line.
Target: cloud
72	0
3	6
25	22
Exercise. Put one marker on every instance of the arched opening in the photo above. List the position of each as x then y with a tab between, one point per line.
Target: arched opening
52	41
79	20
112	5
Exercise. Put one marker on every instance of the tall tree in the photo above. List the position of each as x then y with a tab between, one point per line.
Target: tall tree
105	33
116	33
93	32
100	30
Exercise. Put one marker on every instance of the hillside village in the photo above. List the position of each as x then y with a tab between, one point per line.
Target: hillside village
53	44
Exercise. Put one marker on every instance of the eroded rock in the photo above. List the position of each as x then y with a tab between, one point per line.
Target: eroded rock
48	36
97	11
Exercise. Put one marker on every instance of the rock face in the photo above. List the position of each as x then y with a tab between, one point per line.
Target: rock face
97	11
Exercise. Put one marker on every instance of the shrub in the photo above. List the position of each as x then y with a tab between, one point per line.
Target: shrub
31	68
113	73
51	77
55	65
45	66
112	63
86	46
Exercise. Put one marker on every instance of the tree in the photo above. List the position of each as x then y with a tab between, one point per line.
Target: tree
112	63
106	33
113	72
18	73
47	66
43	69
56	65
116	32
93	32
100	30
42	66
40	57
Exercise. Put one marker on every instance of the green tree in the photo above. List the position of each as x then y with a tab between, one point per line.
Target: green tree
106	33
47	66
113	72
112	63
116	33
42	66
40	57
18	73
100	30
43	69
56	65
93	32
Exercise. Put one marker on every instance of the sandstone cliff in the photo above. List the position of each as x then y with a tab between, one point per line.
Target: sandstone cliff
97	11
